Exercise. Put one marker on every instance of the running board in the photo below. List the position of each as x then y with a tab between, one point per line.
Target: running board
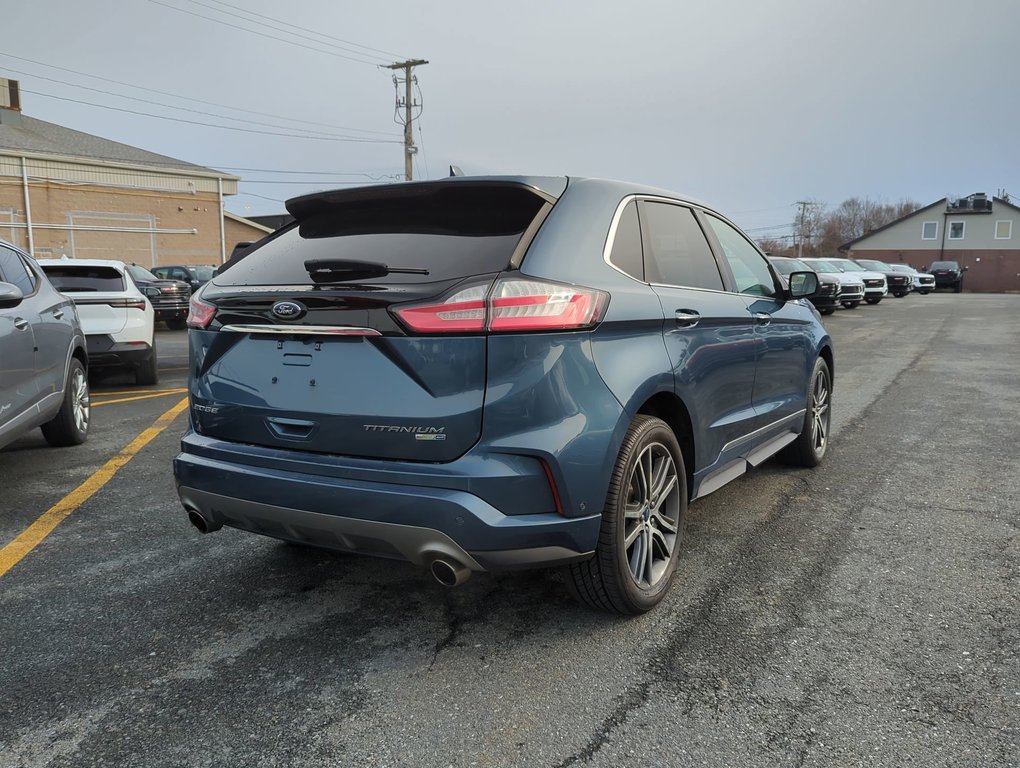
736	468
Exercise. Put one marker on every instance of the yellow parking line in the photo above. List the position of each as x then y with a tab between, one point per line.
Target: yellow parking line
111	392
30	538
148	396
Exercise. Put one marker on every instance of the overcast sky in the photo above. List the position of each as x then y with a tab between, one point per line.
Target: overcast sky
748	105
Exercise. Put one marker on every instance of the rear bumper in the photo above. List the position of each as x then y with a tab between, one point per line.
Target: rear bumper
103	351
383	517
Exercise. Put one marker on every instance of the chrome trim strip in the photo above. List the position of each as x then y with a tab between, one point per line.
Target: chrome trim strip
301	330
751	435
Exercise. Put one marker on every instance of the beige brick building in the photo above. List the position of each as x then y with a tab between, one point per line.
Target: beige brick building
64	192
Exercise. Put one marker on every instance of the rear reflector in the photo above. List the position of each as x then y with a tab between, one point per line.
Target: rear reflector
513	305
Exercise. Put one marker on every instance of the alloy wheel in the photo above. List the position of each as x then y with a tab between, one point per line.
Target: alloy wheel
80	407
652	515
820	412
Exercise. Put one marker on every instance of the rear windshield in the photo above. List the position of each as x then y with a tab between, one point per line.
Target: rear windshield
69	277
451	233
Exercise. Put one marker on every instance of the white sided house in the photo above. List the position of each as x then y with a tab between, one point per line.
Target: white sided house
981	233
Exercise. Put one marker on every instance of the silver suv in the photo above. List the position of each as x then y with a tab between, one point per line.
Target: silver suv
43	363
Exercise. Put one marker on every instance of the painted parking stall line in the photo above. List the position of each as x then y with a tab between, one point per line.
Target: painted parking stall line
148	396
31	537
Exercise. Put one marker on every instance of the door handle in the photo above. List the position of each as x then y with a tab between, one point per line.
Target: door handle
21	323
762	318
686	318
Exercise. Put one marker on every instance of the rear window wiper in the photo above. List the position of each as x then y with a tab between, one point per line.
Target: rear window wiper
341	270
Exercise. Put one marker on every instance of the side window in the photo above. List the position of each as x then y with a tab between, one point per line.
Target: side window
161	272
626	253
14	270
750	270
180	274
676	251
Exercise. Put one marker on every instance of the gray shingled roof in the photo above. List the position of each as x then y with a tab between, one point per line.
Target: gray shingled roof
27	134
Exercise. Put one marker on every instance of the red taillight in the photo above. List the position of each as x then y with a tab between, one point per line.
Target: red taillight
552	486
515	304
200	313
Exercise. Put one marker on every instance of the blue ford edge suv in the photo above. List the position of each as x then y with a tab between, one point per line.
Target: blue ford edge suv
493	373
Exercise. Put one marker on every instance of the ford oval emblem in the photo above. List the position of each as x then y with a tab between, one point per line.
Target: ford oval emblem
288	310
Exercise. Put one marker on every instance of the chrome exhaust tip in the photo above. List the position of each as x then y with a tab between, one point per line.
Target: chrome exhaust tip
449	573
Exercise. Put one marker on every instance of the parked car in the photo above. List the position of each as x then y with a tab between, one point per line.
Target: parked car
195	275
948	274
826	299
851	286
875	287
469	374
116	317
169	298
43	360
922	282
898	283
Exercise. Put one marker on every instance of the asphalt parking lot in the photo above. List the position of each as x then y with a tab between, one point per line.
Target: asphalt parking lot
866	613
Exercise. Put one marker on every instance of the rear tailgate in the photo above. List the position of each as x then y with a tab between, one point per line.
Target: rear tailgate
323	364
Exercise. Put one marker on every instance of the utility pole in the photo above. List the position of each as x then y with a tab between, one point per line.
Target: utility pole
800	227
408	104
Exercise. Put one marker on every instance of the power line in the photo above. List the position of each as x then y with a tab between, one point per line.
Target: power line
294	34
173	106
263	34
191	98
213	125
305	29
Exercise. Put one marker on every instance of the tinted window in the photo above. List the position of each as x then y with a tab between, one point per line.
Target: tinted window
161	272
202	273
15	271
750	270
789	266
71	277
626	253
140	274
453	231
676	251
944	265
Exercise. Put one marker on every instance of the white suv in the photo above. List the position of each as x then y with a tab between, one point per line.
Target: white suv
117	318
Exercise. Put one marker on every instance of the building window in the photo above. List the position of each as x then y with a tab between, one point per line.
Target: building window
956	230
930	230
1003	230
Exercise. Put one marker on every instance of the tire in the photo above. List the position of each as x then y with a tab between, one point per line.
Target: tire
958	288
851	304
924	293
899	295
809	448
71	424
826	310
146	373
177	323
633	578
874	301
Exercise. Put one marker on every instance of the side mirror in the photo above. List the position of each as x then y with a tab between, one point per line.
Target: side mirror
803	284
10	295
965	269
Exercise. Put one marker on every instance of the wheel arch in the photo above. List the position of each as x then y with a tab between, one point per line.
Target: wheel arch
672	410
